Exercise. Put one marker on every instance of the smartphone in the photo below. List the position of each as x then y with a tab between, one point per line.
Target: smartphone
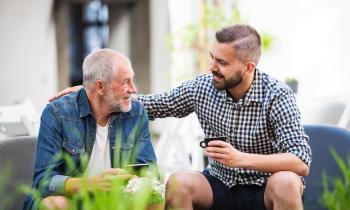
137	169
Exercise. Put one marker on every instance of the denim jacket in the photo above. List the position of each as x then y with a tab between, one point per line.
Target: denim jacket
67	126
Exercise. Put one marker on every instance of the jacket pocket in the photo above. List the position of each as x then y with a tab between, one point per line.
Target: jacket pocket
73	147
122	154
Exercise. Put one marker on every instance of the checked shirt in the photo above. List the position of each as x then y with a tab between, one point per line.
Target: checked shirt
265	121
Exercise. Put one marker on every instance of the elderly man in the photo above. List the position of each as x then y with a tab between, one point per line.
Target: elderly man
100	120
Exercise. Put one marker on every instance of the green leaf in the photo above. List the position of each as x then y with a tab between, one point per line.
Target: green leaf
336	196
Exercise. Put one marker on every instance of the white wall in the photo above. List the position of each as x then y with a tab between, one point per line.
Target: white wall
28	67
311	42
159	65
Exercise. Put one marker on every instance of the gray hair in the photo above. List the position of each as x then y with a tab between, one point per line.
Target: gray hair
245	39
99	65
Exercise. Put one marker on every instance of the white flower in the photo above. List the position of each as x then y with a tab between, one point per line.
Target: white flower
134	184
137	183
158	187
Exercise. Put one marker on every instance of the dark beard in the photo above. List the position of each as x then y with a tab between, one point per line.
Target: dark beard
232	82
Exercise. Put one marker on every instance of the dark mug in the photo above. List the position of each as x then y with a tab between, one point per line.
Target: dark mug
205	142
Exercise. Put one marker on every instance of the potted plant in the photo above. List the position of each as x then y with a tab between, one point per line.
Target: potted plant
336	193
142	192
292	83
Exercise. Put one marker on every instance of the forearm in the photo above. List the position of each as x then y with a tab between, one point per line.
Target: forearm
273	163
179	102
163	105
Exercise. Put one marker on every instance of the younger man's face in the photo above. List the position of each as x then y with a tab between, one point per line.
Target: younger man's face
228	71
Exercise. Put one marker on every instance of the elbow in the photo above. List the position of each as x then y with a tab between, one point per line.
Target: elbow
303	170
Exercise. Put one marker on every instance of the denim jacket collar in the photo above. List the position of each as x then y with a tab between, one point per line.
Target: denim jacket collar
84	106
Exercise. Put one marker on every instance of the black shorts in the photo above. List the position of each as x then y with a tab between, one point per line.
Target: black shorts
239	197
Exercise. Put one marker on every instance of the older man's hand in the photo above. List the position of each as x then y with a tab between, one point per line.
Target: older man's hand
104	181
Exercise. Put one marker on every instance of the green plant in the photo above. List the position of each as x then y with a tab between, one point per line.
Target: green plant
291	80
336	194
5	197
292	83
137	194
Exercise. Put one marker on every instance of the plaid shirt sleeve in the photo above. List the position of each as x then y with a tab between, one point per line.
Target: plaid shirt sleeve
289	132
179	102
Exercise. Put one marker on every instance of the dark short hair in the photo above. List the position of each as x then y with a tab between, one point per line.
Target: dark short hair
245	39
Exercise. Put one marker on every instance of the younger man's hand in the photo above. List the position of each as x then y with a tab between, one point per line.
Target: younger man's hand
65	91
224	153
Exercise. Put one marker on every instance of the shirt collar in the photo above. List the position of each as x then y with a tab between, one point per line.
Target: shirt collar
255	92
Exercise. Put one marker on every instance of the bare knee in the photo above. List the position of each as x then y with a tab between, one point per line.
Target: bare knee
188	190
286	186
178	187
54	203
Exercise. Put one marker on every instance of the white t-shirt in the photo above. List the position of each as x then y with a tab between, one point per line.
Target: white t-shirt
100	158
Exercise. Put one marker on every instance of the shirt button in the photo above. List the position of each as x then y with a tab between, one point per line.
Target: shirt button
52	188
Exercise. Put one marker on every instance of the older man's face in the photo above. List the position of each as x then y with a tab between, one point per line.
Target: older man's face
121	89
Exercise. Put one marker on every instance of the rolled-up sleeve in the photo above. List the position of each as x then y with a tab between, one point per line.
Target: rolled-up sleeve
288	130
56	185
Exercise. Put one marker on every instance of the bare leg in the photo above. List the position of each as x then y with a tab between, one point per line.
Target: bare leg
54	203
159	206
188	190
283	191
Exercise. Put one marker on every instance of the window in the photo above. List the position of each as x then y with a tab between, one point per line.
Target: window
88	31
